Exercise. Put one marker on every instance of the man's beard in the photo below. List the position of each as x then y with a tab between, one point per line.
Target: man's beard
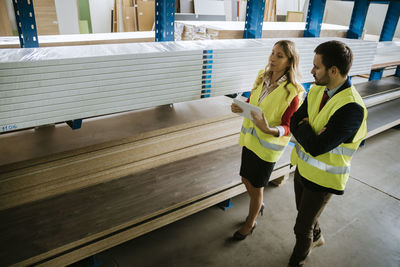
323	81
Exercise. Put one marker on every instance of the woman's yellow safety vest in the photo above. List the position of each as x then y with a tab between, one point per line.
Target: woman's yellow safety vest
330	169
266	146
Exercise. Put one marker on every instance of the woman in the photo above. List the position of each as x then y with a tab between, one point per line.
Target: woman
277	92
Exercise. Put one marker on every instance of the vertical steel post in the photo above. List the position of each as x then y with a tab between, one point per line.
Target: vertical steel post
26	24
358	17
255	10
254	19
390	24
164	20
314	18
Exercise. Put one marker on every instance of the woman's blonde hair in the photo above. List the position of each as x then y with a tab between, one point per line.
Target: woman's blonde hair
292	73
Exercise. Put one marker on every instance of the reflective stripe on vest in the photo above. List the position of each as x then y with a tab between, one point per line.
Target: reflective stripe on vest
321	165
343	151
265	144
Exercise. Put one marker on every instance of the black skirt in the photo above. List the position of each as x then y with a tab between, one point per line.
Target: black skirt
254	169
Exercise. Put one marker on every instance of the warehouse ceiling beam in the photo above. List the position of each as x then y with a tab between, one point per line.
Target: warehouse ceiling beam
164	20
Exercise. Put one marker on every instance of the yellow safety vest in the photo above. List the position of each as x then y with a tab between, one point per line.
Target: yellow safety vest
330	169
265	146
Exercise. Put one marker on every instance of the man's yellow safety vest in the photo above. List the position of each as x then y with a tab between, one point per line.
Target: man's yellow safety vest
266	146
330	169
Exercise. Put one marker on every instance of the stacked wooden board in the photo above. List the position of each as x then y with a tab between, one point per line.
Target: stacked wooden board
151	167
5	25
50	170
56	84
46	17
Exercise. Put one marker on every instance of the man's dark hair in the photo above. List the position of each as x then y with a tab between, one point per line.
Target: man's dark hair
335	53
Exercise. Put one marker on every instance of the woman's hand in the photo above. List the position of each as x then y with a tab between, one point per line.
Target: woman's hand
236	109
261	122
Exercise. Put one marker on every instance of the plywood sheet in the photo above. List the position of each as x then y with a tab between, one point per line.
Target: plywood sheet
145	14
118	205
129	16
5	25
293	16
46	17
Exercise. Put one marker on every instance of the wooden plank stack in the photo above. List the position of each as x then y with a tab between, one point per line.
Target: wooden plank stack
49	175
5	25
46	17
77	193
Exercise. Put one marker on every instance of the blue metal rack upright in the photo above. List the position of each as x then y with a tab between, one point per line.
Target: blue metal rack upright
164	20
314	18
387	33
254	19
253	25
358	17
26	23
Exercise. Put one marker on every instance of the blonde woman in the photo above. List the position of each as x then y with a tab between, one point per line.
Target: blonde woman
278	93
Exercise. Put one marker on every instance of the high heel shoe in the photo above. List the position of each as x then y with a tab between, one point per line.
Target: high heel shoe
262	209
238	236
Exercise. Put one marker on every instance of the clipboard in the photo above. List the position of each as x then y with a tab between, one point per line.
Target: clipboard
247	108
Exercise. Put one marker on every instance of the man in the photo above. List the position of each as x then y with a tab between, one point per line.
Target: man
329	127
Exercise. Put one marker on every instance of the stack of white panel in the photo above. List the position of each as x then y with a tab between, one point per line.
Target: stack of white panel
41	86
55	84
236	65
387	52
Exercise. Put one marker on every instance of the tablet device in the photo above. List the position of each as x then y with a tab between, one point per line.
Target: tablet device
247	108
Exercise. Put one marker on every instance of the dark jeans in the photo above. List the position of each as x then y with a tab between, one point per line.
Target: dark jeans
310	205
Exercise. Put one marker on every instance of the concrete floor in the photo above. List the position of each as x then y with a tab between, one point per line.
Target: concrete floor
361	228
